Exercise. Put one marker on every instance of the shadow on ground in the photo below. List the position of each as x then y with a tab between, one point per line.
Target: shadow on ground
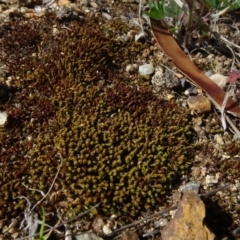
218	220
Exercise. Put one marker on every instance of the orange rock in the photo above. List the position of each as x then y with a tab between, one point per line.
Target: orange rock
199	103
187	223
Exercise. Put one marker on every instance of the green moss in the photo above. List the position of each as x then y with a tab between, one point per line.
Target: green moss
121	144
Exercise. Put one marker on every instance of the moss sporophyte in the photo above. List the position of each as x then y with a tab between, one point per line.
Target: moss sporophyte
121	145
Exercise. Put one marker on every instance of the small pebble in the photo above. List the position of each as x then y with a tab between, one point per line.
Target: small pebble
97	225
86	236
237	183
132	33
219	79
170	96
191	186
3	118
219	139
38	9
197	121
233	188
160	223
196	172
131	68
93	4
55	31
24	10
199	103
209	73
172	213
146	69
220	193
106	229
210	180
191	91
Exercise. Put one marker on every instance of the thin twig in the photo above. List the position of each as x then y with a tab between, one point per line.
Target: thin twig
49	190
34	189
140	221
213	192
230	43
62	224
139	15
223	120
151	233
234	128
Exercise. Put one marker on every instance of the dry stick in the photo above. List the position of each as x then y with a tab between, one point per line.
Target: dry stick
62	224
141	220
139	15
228	42
233	126
151	233
209	194
190	4
223	119
51	230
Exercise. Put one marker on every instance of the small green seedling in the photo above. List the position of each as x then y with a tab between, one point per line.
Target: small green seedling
223	4
156	10
41	233
159	9
181	14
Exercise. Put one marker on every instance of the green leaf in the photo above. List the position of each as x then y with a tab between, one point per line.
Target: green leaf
150	4
172	12
174	8
156	10
42	225
212	3
152	15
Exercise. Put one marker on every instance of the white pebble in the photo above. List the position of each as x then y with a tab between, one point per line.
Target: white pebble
146	69
106	229
38	9
219	139
3	118
131	68
210	180
160	223
219	79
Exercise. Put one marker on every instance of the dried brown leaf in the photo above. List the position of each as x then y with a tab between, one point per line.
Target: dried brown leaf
189	69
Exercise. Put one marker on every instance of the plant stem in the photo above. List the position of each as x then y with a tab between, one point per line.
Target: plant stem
190	4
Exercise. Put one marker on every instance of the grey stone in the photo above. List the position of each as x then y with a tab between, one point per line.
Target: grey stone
191	186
